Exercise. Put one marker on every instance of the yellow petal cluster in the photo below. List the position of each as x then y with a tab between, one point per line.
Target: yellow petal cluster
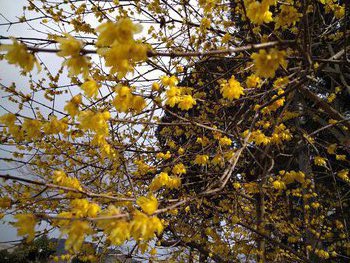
118	47
90	88
72	106
18	54
201	159
25	225
126	101
71	48
61	178
148	204
258	12
266	63
163	179
231	89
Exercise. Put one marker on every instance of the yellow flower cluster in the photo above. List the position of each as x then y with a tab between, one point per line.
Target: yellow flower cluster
163	179
142	168
292	176
32	129
55	126
144	227
176	95
266	64
118	230
164	156
331	5
72	107
231	89
279	135
9	120
25	225
148	204
61	178
225	141
201	159
288	16
141	227
258	12
94	121
76	231
90	88
18	54
344	175
179	169
97	122
76	63
126	101
253	82
320	161
279	185
118	47
83	208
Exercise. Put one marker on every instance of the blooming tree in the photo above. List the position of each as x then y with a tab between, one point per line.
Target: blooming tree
193	131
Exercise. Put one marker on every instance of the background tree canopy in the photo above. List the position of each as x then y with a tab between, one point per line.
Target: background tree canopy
187	131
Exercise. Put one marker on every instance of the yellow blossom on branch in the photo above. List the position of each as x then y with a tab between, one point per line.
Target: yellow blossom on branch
231	89
148	204
25	225
18	54
266	63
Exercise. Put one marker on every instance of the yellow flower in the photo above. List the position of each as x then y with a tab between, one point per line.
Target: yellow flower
69	46
231	89
186	102
125	100
169	81
172	94
32	128
253	82
138	103
259	13
159	181
174	182
72	107
155	86
76	234
25	225
55	126
288	16
77	65
205	23
224	141
163	179
266	64
148	204
117	230
331	148
18	54
90	88
320	161
144	227
344	175
201	159
122	57
278	185
340	157
122	31
179	169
